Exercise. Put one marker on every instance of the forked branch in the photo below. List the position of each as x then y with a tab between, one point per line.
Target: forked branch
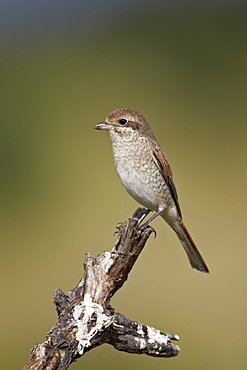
85	316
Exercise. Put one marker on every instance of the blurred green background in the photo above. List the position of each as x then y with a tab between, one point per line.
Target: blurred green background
65	66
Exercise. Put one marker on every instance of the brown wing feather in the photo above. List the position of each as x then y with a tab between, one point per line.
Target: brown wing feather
166	172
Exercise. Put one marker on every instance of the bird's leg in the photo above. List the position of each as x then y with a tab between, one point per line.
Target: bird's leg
151	219
141	213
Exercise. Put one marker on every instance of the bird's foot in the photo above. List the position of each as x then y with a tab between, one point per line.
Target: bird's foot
145	226
140	214
119	225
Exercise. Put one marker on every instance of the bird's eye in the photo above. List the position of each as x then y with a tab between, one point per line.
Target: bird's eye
122	121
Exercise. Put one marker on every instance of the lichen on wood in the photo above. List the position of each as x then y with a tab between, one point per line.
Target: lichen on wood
85	317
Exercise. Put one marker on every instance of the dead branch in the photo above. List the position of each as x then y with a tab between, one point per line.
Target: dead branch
85	317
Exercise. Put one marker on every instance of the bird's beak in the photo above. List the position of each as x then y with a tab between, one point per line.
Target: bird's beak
102	126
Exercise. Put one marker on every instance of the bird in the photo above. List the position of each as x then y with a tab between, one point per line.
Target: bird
145	173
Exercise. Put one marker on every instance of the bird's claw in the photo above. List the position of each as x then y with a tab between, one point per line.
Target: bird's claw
154	231
144	227
119	225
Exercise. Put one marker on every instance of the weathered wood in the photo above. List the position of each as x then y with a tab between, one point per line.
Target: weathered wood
85	317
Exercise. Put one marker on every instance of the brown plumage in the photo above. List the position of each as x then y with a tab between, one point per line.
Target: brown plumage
146	174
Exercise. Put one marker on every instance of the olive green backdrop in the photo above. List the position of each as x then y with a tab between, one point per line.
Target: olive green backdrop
184	67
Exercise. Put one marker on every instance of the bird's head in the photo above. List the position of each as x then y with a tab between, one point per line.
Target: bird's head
126	121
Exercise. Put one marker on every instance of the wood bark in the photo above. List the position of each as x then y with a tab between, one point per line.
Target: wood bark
85	317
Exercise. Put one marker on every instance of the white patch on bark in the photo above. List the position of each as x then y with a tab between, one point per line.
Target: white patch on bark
90	321
156	336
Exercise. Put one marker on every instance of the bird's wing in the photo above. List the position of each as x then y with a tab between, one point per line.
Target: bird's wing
166	171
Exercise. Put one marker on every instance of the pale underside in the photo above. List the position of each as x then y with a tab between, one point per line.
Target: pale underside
140	175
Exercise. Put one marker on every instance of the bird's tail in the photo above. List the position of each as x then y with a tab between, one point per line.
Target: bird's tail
193	254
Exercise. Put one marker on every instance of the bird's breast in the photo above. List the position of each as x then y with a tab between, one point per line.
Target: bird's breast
139	173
